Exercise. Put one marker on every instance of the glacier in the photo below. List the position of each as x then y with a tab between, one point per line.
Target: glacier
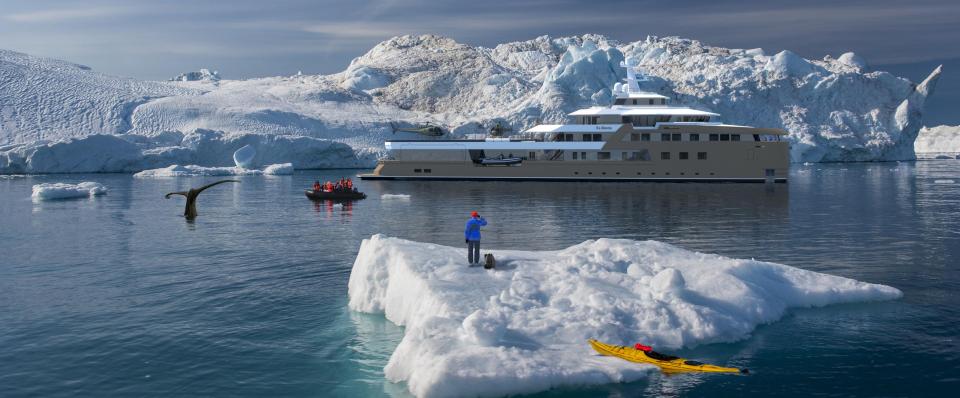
523	327
835	109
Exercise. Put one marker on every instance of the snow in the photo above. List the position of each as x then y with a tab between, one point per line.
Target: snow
194	170
54	191
834	109
398	196
523	327
941	142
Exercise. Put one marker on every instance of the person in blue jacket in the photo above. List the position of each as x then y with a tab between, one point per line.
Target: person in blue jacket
471	236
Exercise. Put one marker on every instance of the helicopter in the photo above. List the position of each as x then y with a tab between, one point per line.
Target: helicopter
426	129
498	130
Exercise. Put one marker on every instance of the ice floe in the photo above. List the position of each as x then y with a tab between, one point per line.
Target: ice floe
397	196
59	190
194	170
523	327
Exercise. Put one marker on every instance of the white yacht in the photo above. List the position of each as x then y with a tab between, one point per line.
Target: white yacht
640	137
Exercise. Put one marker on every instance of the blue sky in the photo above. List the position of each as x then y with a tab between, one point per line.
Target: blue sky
246	38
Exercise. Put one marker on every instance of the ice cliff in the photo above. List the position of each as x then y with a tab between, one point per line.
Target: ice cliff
836	109
523	327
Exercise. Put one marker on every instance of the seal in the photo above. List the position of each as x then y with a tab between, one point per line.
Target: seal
190	210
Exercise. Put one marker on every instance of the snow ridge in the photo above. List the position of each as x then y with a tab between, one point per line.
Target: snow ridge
523	327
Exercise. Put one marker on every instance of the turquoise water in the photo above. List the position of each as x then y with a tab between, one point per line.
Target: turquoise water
120	296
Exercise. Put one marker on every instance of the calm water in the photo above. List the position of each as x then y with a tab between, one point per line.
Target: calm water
120	296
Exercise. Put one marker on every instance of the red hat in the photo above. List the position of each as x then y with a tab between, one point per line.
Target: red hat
474	214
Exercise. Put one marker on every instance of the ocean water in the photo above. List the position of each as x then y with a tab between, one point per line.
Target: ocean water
120	296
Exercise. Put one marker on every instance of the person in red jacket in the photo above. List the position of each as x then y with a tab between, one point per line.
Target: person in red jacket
316	186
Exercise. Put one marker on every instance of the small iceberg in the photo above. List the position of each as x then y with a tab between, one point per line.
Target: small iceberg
194	170
61	190
945	181
523	327
396	196
243	157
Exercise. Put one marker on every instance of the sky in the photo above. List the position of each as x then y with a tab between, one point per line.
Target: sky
246	38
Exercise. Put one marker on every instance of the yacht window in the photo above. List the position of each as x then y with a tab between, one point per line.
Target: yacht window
694	137
645	137
714	137
663	101
417	170
532	156
701	156
634	102
634	137
756	137
598	137
651	101
665	155
624	155
586	137
684	156
559	137
637	156
427	170
734	137
583	155
664	137
574	156
603	155
676	137
619	101
568	137
724	137
593	119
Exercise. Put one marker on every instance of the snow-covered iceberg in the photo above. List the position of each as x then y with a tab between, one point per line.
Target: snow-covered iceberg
59	190
523	327
836	109
941	142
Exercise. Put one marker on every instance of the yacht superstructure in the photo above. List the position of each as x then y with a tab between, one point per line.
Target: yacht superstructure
640	137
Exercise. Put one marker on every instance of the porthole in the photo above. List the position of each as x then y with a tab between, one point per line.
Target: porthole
590	172
604	173
711	173
576	172
681	173
618	173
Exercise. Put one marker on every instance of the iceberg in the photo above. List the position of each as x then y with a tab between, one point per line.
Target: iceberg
941	142
53	191
243	157
834	109
133	152
194	170
523	327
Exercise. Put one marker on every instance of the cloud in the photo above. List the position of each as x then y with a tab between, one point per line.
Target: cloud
61	15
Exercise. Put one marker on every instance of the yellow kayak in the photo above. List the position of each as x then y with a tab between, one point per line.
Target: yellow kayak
669	364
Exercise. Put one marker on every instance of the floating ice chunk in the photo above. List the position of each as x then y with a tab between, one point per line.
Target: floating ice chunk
243	157
943	181
67	191
279	169
398	196
523	328
12	176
